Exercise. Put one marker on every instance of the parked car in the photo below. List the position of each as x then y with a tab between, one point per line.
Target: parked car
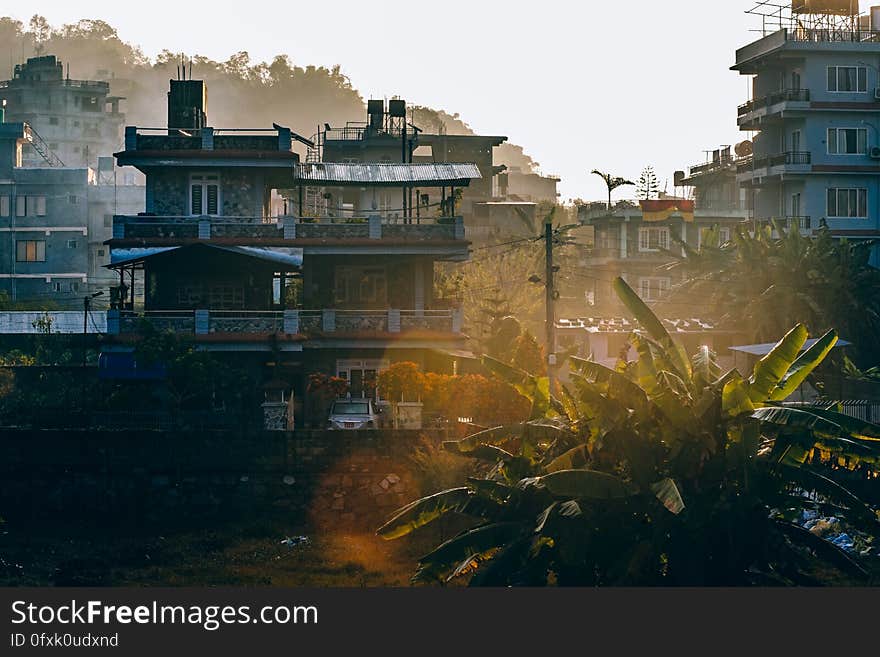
352	415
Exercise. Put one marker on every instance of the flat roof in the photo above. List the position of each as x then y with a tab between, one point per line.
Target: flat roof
764	349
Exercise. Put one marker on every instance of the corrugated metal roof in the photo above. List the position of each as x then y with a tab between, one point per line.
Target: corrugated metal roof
437	174
282	255
764	349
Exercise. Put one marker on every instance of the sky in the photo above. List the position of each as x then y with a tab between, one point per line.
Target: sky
581	85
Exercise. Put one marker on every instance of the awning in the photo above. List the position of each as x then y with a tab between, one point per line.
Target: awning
764	349
287	257
389	174
663	209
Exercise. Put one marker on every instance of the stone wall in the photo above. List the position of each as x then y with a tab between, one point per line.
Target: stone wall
353	478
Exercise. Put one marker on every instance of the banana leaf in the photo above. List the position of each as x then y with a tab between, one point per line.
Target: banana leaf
654	327
474	544
425	511
853	426
586	484
619	386
770	370
535	389
804	366
570	460
735	400
807	421
823	549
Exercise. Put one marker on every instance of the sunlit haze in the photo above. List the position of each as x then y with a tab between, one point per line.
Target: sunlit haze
615	86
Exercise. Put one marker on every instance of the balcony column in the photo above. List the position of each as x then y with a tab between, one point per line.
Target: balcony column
375	227
457	320
291	322
419	273
459	233
207	139
113	324
394	321
203	322
623	248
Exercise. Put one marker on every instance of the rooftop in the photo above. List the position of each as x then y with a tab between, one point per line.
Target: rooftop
436	175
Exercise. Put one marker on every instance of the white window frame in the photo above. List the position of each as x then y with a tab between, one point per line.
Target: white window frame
344	369
859	192
662	242
30	206
654	288
724	235
204	181
39	251
861	142
859	79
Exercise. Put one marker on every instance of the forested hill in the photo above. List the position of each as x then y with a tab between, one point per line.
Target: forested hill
241	92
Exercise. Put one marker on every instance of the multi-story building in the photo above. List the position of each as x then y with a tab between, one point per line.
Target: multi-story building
387	137
44	251
214	258
78	120
814	108
637	240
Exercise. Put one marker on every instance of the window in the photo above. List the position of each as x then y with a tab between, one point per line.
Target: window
362	376
847	141
848	79
72	244
653	289
56	286
101	253
205	195
723	235
30	206
73	199
795	205
108	221
849	203
366	287
74	287
653	239
4	206
30	251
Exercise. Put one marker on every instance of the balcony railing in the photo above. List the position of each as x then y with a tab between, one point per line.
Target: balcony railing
789	158
786	95
287	228
290	322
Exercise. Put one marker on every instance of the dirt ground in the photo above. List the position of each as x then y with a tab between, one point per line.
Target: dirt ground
240	553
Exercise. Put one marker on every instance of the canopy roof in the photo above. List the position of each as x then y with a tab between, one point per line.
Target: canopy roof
393	175
286	257
764	349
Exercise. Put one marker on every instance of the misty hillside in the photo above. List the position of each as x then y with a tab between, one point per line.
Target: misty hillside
242	93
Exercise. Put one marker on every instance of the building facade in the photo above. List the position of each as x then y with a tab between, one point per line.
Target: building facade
214	259
78	120
813	112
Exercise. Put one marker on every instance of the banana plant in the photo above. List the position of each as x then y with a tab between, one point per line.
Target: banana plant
660	471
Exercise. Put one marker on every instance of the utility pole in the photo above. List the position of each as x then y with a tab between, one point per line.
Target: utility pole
550	302
87	305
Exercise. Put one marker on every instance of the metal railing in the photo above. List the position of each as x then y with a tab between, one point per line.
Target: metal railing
832	35
788	158
786	95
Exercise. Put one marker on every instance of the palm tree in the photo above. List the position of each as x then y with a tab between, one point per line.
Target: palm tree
612	183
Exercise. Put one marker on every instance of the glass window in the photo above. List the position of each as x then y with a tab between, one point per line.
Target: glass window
848	79
847	141
30	251
653	239
847	203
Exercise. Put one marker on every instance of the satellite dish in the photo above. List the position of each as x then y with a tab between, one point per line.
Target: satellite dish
743	149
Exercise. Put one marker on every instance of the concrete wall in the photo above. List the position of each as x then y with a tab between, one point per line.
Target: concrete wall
137	477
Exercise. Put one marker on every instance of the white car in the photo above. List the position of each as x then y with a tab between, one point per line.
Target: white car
353	415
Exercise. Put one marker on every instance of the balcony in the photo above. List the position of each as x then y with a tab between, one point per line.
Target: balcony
322	323
788	162
209	139
282	229
753	114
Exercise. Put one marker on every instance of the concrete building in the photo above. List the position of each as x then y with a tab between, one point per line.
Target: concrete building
78	120
813	112
518	185
636	239
344	295
388	137
44	252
